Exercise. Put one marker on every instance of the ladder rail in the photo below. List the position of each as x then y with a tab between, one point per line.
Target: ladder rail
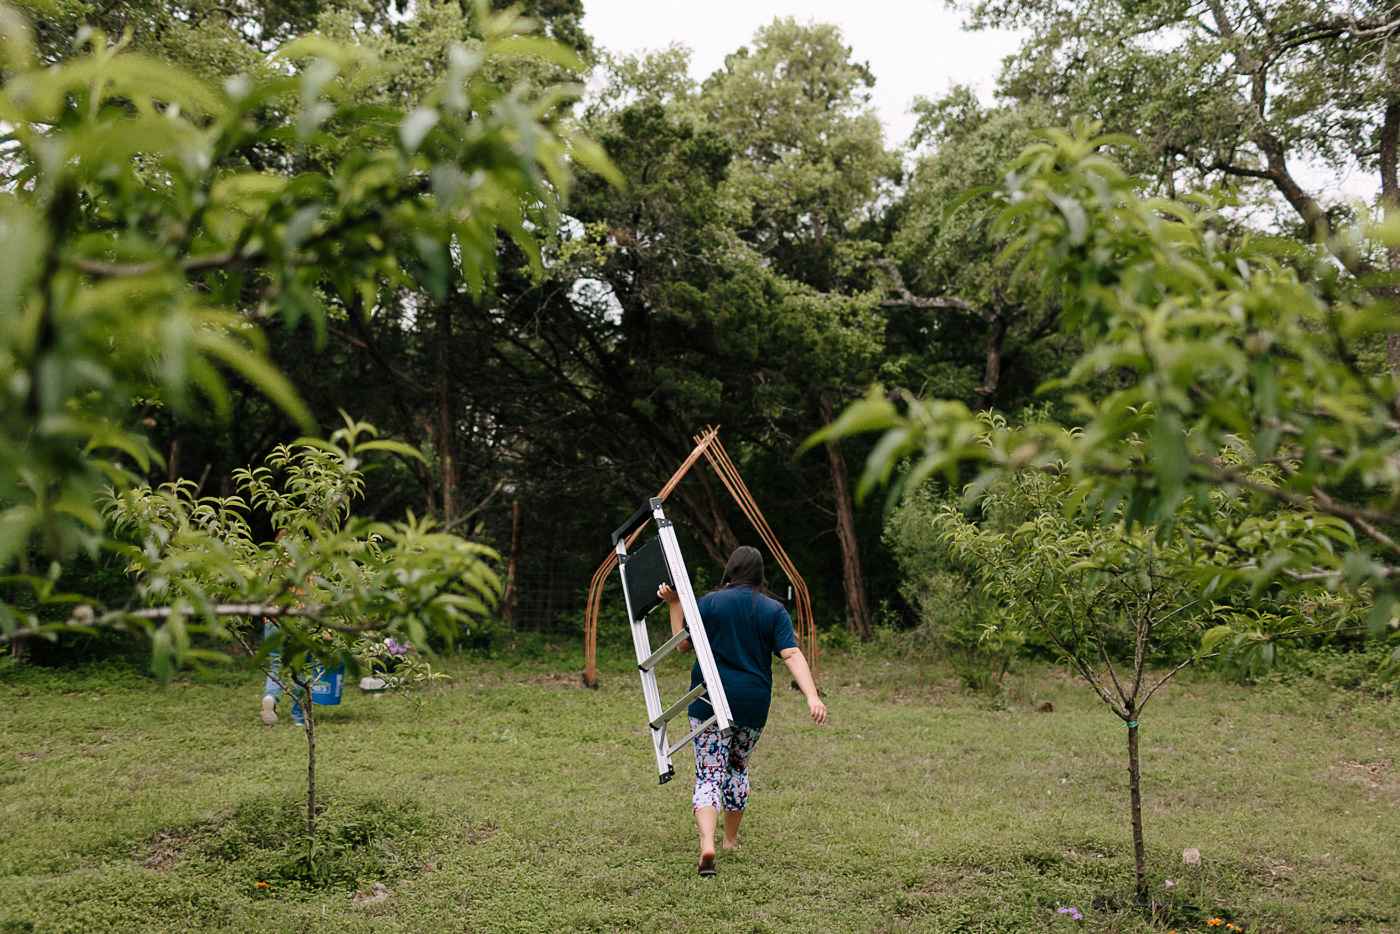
710	688
709	671
642	644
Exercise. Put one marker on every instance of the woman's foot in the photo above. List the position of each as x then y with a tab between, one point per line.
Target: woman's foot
707	864
731	847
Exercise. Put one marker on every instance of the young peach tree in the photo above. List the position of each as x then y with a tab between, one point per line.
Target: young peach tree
334	584
1126	607
151	220
1234	433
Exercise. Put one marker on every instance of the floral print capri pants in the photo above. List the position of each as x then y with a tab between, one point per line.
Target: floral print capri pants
722	767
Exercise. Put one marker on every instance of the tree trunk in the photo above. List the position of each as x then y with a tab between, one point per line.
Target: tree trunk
718	552
706	511
696	505
303	697
853	582
992	375
724	538
1135	804
508	598
1275	155
704	519
1390	203
445	433
409	415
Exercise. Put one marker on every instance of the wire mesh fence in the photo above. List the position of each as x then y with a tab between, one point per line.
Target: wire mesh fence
545	596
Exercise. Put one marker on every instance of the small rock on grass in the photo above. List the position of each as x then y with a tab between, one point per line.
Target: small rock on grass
377	894
1191	856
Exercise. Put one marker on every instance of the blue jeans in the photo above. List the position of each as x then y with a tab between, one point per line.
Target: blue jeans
274	664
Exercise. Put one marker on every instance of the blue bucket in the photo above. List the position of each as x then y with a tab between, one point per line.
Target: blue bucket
327	685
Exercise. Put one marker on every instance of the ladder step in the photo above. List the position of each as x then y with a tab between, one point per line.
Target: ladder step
677	707
665	649
691	735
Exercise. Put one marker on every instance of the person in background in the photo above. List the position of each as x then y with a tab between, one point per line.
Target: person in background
272	690
746	627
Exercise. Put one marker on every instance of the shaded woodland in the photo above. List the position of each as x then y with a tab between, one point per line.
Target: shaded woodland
770	256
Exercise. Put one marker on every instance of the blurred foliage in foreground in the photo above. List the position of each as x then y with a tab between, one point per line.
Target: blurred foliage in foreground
151	222
1213	373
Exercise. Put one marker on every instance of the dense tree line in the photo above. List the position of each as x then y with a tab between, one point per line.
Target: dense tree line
769	257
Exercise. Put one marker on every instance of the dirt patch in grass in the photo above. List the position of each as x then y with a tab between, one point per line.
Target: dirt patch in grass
262	839
1378	775
167	849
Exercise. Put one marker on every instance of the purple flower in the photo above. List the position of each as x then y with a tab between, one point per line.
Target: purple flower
1074	912
394	647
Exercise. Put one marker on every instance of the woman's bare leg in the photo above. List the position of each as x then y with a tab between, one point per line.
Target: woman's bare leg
731	829
707	819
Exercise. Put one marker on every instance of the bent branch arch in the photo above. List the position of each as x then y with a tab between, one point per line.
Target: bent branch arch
707	444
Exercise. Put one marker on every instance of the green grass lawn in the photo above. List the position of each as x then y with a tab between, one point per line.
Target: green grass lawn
524	802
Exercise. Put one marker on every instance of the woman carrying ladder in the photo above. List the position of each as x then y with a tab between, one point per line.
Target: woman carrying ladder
746	628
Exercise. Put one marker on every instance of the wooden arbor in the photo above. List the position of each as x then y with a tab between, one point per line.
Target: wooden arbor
707	444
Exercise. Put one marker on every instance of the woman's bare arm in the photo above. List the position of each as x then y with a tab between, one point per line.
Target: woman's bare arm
797	664
673	603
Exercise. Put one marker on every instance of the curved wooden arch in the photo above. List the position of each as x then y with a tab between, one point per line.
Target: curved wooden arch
707	444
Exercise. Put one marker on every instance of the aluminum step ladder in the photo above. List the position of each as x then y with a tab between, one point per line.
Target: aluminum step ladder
658	562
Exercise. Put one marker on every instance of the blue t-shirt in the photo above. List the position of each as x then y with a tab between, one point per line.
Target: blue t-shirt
745	629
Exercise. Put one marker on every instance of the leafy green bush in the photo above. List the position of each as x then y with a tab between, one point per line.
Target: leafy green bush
1336	667
957	620
952	613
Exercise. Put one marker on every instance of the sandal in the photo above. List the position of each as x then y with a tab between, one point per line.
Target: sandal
707	865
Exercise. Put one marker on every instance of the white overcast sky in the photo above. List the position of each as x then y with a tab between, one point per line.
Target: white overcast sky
913	47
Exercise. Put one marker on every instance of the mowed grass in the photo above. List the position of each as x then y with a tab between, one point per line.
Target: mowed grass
529	803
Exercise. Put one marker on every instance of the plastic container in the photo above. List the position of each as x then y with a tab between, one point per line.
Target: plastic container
327	686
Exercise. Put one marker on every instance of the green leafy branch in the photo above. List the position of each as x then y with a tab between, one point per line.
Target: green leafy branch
1216	369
